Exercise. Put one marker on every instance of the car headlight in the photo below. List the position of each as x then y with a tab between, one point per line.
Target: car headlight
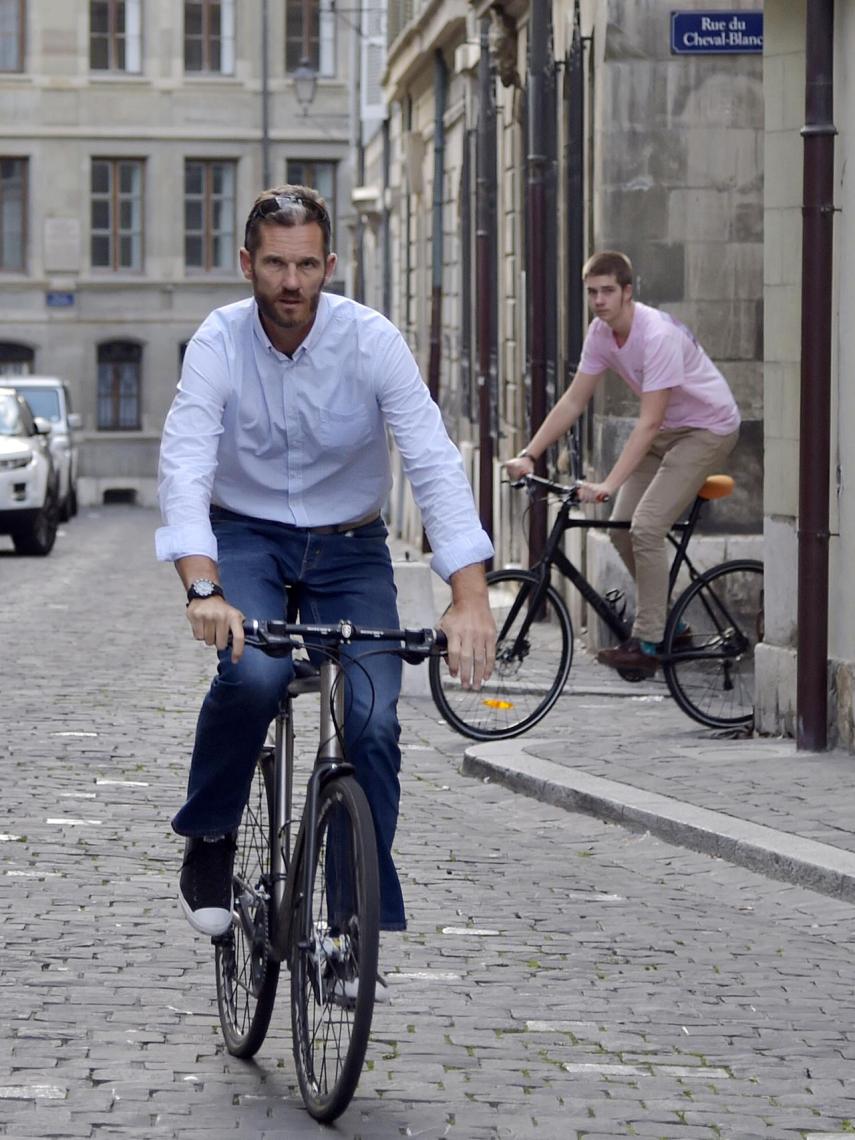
15	462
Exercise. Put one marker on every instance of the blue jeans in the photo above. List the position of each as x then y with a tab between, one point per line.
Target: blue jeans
331	577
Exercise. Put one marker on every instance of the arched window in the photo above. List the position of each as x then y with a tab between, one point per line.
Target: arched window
119	382
16	359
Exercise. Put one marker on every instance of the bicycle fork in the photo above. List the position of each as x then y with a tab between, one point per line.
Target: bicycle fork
330	759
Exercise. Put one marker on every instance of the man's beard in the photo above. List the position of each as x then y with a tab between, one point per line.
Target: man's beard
271	313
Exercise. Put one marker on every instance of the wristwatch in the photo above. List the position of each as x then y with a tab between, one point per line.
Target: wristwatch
204	588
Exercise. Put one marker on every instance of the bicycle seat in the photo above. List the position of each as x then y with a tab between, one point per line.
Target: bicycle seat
307	679
716	487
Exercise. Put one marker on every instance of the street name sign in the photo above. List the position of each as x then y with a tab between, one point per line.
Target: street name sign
709	33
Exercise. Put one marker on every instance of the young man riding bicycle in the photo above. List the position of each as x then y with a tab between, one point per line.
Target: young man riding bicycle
688	425
274	466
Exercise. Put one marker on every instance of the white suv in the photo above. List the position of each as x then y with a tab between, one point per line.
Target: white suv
28	481
49	399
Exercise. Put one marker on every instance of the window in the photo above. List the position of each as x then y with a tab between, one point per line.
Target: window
209	215
209	36
115	35
13	215
320	38
16	359
119	368
11	35
116	213
319	175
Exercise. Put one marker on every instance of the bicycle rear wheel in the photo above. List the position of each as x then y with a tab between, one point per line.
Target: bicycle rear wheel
533	657
247	975
709	644
334	969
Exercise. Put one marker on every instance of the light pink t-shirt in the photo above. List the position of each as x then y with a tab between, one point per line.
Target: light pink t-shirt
660	352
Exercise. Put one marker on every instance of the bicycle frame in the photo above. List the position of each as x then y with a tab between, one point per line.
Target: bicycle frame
553	555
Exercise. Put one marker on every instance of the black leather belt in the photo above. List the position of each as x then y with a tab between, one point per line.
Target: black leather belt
218	512
343	528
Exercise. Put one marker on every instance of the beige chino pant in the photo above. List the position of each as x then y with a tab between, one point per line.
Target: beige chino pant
654	497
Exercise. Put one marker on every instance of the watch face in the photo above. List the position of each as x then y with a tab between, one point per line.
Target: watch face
203	588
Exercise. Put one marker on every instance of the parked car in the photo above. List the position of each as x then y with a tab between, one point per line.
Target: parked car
48	398
29	484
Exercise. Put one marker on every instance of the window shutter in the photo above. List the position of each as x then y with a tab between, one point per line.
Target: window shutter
372	102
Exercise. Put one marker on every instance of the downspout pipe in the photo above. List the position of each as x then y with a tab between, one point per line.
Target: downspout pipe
815	424
538	59
574	212
485	240
437	246
265	95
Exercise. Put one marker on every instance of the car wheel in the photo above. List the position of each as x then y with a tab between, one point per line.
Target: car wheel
39	537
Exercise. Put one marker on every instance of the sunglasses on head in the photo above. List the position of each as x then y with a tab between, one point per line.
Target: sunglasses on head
276	202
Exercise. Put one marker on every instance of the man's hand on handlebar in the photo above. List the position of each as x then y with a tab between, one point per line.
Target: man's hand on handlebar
519	466
213	621
593	492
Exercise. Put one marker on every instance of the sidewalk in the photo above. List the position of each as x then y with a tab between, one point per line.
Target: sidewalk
626	753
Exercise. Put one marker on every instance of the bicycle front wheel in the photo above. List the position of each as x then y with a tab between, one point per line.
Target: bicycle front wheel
334	954
709	644
534	652
247	975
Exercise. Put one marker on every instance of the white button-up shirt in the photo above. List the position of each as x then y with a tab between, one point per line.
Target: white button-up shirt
302	439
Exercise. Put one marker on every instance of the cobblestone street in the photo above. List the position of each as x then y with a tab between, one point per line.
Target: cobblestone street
561	977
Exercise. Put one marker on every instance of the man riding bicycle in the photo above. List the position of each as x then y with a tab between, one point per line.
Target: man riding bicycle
688	424
274	466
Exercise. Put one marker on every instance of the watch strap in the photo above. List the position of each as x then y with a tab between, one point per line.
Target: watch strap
211	590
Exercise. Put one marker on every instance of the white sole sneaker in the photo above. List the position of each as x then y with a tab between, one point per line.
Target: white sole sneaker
210	920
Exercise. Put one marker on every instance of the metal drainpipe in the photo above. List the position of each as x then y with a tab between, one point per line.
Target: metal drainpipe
815	424
387	221
435	352
536	218
574	211
485	242
265	97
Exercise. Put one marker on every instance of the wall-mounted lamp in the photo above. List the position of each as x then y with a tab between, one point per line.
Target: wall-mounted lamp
305	81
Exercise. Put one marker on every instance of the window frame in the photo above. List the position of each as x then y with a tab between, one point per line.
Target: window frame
322	46
116	198
133	355
207	233
21	43
24	164
124	48
226	40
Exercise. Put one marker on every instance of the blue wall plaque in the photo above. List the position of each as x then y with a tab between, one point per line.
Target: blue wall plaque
708	33
59	300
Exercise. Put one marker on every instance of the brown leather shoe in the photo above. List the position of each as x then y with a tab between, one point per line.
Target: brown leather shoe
629	655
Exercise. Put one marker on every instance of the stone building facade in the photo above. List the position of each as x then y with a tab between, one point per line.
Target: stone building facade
785	93
666	163
134	136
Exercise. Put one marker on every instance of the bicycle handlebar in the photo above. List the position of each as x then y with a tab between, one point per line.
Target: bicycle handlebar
569	491
280	637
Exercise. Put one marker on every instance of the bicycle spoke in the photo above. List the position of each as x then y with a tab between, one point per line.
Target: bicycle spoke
711	674
247	976
334	966
533	657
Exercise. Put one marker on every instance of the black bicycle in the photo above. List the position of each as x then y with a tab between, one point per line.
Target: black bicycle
707	652
305	885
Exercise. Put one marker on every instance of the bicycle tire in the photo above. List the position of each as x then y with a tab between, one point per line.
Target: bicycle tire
247	974
331	1025
723	610
530	671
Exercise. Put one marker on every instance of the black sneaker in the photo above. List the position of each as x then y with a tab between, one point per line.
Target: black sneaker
205	886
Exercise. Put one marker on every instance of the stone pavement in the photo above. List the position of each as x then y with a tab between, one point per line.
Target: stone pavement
626	753
561	977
